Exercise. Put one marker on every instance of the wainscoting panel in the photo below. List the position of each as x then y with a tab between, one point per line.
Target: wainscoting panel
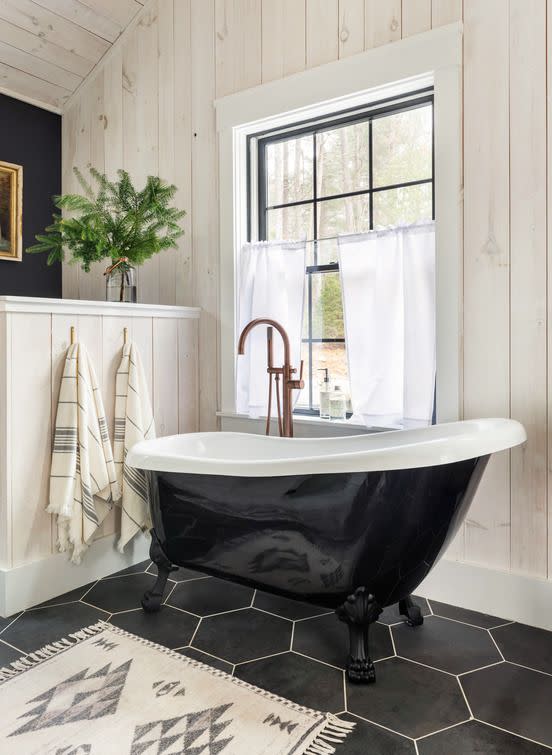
34	337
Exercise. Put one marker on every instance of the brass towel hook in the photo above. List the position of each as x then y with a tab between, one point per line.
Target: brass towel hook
72	334
125	335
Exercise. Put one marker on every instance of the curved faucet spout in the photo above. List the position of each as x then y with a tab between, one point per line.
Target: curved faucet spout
285	371
265	321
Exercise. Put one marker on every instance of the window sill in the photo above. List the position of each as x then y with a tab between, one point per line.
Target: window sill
333	426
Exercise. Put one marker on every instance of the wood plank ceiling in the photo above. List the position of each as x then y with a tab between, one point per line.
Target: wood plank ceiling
47	47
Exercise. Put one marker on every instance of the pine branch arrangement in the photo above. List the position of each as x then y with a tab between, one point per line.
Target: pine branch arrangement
113	220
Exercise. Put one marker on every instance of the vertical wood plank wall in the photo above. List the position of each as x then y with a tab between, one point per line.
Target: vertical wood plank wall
149	113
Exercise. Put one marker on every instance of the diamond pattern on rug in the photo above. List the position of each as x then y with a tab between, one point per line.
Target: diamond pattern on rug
82	696
192	734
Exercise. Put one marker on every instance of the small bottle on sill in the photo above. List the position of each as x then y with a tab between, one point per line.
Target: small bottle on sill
338	404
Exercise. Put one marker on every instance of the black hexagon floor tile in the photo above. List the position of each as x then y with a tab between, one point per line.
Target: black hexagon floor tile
525	645
446	645
391	615
483	620
168	627
408	698
120	593
287	608
134	569
368	739
181	574
207	596
41	626
513	698
8	654
240	636
326	638
197	655
296	678
67	597
475	738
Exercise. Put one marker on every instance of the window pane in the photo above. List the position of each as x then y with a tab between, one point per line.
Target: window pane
327	306
347	215
289	170
411	204
342	160
402	147
326	252
330	355
290	223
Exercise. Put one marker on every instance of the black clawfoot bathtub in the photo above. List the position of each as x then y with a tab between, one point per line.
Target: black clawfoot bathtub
353	523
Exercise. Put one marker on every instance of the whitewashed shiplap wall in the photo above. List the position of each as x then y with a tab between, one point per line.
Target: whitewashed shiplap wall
150	108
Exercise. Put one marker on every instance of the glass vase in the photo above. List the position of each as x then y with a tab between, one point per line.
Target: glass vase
120	283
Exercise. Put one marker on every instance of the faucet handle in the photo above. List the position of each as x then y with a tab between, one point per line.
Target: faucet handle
298	384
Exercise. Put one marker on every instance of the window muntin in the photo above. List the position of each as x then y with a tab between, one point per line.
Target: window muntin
354	173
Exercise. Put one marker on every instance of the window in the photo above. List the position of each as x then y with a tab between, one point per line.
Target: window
350	172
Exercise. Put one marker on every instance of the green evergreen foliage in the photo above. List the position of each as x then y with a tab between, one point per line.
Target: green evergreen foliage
112	220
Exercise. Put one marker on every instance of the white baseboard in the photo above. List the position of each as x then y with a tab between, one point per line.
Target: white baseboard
27	585
514	597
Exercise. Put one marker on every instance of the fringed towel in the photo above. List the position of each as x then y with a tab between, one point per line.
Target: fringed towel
133	423
83	483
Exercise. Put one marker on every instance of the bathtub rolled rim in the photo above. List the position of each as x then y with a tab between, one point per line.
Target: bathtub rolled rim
248	455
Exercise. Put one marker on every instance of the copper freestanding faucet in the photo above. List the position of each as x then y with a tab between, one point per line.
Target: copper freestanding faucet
285	423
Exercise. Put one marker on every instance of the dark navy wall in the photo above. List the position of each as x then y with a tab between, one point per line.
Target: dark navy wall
31	137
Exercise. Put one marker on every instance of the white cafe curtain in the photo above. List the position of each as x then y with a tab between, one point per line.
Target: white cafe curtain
388	283
271	284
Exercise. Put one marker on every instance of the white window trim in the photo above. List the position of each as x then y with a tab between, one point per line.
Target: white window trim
434	57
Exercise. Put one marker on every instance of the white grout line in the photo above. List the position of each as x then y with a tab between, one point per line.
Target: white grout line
14	619
481	668
495	644
124	576
90	588
292	635
506	624
416	748
345	700
385	658
253	599
192	638
127	610
186	581
221	613
445	728
513	733
262	610
204	652
91	605
393	642
182	610
260	658
316	616
173	588
426	665
527	668
464	696
382	726
311	658
13	647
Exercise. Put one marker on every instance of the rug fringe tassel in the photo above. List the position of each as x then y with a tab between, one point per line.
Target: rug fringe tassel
49	651
334	730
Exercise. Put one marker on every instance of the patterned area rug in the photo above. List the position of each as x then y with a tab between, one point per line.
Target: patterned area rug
107	691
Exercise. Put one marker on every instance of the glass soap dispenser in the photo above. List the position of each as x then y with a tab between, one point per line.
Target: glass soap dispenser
338	404
325	393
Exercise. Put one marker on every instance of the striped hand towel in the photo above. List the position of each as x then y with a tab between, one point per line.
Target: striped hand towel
133	423
83	483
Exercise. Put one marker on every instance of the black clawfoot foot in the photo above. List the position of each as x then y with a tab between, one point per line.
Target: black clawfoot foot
359	611
152	599
412	611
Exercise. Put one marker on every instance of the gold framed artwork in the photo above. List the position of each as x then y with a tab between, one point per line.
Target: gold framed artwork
11	211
